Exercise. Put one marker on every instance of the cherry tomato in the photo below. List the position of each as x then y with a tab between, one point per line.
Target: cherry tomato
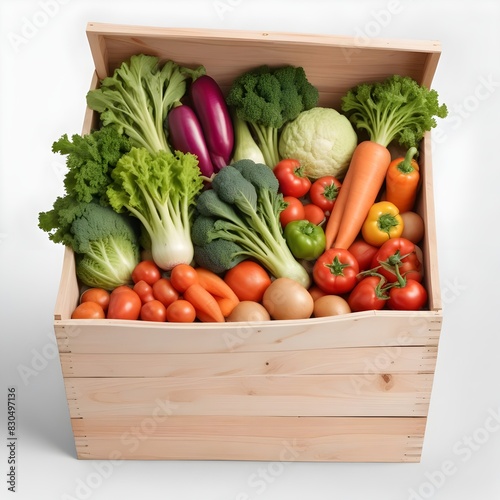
367	295
314	214
294	210
402	252
124	303
248	280
183	276
412	296
146	270
324	192
165	292
181	311
88	310
153	310
97	295
335	271
364	253
292	178
144	291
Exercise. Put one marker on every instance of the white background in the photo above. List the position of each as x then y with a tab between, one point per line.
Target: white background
45	73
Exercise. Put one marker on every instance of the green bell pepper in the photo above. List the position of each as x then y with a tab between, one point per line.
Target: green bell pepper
306	240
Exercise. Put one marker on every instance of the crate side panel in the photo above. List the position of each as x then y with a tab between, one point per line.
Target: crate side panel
370	328
270	395
332	70
331	439
367	362
426	209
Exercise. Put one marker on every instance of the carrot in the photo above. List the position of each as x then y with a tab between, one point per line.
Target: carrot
397	108
204	303
368	167
222	292
215	284
402	181
226	305
333	222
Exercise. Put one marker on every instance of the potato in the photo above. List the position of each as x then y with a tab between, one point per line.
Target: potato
330	305
285	298
413	227
248	310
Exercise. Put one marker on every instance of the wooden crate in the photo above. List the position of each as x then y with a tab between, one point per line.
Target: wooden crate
352	388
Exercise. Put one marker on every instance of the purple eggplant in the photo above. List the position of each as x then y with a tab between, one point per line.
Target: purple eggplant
186	135
212	111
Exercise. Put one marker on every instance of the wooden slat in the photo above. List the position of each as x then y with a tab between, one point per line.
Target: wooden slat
365	329
227	53
427	210
283	439
273	395
360	362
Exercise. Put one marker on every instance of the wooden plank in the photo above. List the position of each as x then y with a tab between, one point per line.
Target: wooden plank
427	211
270	395
368	362
283	439
227	53
364	329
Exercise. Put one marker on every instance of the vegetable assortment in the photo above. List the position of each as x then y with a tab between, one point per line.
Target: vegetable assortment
190	205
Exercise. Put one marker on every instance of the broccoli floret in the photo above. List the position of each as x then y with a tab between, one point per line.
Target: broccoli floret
90	159
219	255
254	232
266	98
234	189
397	108
105	242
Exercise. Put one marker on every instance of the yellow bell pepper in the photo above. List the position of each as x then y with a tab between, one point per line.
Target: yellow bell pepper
382	223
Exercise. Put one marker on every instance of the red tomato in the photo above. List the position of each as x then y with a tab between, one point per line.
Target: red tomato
153	310
144	291
248	280
314	214
146	270
294	210
324	192
183	276
335	271
88	310
124	303
364	253
402	252
165	292
292	178
97	295
410	297
367	295
181	311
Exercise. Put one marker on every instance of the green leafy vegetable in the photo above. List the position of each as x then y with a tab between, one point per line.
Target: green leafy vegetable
267	98
239	219
138	97
397	108
90	159
160	190
105	242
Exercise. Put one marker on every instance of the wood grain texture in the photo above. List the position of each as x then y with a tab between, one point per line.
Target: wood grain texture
368	361
267	395
364	329
277	439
